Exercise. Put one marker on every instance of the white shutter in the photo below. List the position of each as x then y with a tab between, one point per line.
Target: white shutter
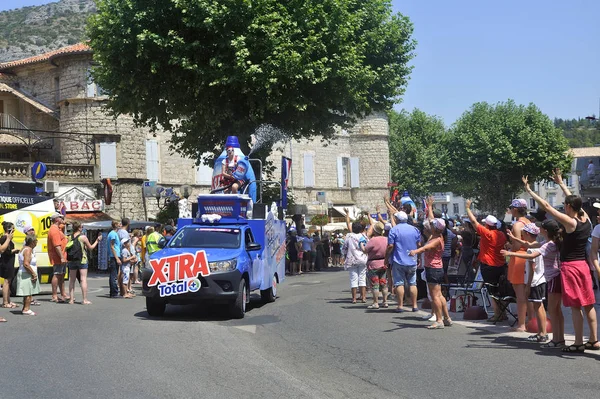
340	172
90	88
108	160
309	170
152	160
354	174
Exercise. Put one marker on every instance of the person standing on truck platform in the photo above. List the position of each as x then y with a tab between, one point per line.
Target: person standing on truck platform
7	263
57	244
114	258
229	165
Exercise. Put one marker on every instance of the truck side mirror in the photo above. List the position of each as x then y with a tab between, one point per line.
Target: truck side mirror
253	246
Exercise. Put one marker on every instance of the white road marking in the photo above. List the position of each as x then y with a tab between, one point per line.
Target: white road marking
250	328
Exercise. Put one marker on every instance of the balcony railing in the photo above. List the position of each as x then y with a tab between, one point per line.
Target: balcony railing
56	171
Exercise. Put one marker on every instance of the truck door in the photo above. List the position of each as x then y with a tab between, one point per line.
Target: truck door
255	271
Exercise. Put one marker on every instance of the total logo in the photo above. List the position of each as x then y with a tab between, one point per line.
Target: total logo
179	288
178	274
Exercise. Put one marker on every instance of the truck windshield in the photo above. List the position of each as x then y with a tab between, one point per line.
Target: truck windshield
199	237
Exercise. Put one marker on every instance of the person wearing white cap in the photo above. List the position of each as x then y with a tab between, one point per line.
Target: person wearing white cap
492	263
126	258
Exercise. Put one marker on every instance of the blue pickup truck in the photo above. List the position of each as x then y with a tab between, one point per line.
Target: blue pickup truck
219	257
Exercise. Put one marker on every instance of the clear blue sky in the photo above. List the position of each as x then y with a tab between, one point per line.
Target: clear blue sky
541	51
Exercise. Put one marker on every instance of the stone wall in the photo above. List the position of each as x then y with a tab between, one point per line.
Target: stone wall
367	140
38	81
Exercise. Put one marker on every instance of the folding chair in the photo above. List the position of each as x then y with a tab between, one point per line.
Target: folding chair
473	288
504	295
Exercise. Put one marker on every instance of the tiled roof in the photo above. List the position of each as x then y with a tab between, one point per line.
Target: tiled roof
586	152
31	100
79	48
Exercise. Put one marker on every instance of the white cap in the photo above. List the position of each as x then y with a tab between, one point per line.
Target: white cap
124	240
387	226
491	220
401	216
596	205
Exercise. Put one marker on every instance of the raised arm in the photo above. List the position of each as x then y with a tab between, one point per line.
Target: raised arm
430	202
348	224
472	217
560	217
557	177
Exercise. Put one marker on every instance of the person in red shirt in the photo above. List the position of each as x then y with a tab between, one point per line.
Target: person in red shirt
57	244
492	263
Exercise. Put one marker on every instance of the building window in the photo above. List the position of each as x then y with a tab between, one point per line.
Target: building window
445	208
455	209
348	171
152	162
309	170
568	181
532	203
92	89
552	199
108	160
550	184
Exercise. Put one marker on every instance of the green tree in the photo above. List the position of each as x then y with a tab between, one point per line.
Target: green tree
492	146
418	154
579	132
207	69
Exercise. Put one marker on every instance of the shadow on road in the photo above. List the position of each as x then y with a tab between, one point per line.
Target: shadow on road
201	312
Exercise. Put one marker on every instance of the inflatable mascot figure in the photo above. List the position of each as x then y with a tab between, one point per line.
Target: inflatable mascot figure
232	173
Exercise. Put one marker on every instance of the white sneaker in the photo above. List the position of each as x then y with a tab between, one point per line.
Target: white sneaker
429	317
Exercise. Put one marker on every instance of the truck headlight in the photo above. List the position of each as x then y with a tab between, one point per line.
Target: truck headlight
223	266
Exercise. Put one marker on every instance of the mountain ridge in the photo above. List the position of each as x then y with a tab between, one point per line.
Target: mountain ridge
33	30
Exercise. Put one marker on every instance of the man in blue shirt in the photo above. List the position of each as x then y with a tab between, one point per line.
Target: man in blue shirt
402	239
114	258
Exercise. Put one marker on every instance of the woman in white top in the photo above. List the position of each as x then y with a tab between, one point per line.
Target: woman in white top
27	279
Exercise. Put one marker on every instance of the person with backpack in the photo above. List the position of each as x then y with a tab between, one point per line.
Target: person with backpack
77	261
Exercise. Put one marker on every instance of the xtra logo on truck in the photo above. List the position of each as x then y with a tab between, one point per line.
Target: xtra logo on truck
178	274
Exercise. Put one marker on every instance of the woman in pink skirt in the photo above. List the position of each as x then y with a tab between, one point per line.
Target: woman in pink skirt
577	288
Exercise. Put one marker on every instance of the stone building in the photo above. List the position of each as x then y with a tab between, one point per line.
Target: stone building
52	111
351	171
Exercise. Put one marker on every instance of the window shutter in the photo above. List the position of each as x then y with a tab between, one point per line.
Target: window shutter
152	160
90	88
108	160
354	174
340	172
309	170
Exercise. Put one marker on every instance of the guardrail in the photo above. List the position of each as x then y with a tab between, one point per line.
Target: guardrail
69	173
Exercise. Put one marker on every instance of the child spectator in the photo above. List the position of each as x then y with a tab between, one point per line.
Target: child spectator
126	259
535	282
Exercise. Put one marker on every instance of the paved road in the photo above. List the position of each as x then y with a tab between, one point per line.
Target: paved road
311	343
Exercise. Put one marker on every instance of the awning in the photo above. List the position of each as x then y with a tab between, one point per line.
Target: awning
87	217
354	211
30	100
331	227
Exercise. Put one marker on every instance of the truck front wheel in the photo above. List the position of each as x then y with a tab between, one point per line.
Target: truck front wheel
270	294
237	309
155	308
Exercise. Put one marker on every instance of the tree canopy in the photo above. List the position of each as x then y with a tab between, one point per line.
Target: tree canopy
492	146
418	154
207	69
